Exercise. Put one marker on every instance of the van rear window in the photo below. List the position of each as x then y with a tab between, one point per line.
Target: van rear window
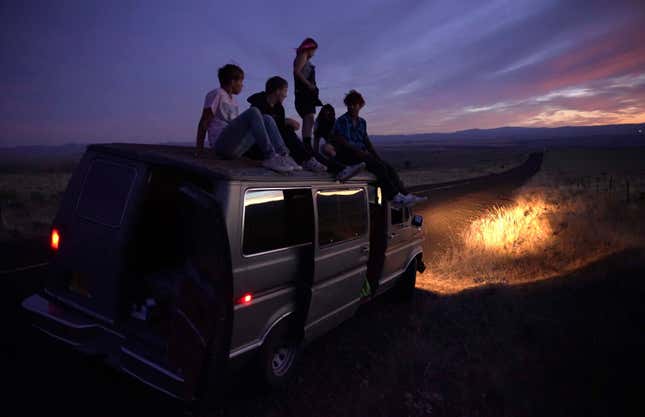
105	193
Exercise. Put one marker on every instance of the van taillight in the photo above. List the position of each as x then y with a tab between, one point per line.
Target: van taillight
54	242
245	299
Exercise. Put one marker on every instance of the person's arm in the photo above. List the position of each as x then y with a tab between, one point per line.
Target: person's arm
202	128
298	64
370	147
208	113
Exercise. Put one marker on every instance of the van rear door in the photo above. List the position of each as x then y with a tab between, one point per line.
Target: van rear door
340	262
94	222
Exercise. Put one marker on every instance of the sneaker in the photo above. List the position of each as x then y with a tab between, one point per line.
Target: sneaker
398	200
411	199
276	163
349	171
288	160
313	165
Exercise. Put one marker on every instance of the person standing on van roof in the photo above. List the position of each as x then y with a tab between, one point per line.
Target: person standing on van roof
269	102
304	75
231	133
353	145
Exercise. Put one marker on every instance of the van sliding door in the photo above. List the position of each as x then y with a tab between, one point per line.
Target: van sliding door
340	262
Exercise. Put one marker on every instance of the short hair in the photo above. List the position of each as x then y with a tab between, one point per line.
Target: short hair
354	97
275	83
229	73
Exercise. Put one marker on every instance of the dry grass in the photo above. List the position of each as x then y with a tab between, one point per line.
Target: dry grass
558	223
29	201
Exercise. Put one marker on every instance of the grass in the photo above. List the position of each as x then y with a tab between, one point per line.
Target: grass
569	215
29	201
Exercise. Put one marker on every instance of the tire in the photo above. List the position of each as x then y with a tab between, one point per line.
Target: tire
279	355
404	289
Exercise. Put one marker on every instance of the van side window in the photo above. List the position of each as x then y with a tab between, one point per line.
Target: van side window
342	215
400	216
276	219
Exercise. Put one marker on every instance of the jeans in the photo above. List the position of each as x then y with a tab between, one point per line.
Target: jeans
386	175
247	129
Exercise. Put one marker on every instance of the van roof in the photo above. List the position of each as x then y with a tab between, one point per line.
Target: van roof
243	169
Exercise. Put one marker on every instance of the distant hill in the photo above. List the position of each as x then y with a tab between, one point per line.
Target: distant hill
62	157
608	135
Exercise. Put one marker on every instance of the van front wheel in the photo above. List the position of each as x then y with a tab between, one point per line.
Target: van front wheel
405	286
280	353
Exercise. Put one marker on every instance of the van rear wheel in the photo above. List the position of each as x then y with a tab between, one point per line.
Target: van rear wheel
279	356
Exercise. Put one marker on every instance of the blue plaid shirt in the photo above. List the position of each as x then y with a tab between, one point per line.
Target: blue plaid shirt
355	135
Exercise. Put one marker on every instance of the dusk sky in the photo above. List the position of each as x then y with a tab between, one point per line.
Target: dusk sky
137	71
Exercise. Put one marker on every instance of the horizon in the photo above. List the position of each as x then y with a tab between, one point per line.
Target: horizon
139	73
639	126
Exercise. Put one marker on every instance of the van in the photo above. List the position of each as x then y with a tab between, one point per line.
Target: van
172	267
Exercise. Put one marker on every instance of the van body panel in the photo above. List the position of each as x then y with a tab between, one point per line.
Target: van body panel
401	241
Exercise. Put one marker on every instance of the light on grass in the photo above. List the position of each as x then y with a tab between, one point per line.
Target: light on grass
517	230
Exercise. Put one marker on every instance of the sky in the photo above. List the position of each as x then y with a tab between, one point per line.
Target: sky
138	71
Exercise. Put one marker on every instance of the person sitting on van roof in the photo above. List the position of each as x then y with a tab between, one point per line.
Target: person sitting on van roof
323	147
269	102
352	145
323	127
231	134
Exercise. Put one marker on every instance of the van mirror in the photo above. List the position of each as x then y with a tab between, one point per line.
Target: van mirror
417	220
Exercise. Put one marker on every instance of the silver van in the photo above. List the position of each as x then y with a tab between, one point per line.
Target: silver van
172	268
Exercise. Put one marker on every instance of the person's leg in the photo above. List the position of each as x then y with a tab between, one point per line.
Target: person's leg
254	153
373	165
394	177
241	133
307	129
296	148
274	135
333	165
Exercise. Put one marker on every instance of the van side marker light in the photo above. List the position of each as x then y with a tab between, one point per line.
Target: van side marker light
245	299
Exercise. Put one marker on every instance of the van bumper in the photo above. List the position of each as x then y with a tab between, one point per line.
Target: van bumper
89	337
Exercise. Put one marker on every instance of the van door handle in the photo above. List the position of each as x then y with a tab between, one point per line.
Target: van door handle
392	235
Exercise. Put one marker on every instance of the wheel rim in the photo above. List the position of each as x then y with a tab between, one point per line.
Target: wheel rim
282	359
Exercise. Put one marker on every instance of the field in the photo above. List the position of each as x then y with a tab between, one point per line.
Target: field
584	205
533	307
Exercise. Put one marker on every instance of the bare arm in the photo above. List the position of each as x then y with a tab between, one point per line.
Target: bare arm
298	64
342	142
202	128
370	147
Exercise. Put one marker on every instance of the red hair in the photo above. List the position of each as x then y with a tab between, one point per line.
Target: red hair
308	43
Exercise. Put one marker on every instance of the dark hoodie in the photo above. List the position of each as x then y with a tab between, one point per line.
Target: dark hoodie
259	100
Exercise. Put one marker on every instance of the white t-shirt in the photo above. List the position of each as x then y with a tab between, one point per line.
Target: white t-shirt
224	108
